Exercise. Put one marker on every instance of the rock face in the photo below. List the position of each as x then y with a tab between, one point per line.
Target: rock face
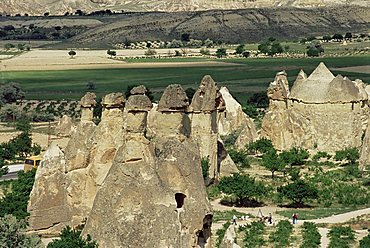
150	181
65	127
234	120
322	112
229	238
137	184
62	6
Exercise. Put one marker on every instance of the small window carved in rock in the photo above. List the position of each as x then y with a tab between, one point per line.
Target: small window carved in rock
180	198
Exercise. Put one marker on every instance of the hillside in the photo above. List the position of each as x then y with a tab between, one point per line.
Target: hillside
227	25
54	7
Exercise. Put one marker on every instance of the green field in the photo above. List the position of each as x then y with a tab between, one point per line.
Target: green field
244	77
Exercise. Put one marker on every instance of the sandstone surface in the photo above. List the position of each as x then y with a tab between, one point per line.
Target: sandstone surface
322	112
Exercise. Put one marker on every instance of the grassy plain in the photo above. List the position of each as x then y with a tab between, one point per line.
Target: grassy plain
242	76
310	214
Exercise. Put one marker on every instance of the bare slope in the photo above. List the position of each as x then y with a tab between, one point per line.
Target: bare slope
228	25
38	7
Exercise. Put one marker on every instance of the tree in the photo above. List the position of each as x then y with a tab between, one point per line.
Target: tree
240	49
246	189
337	37
295	156
10	93
21	46
150	52
326	38
190	93
72	53
208	43
365	242
259	99
204	51
262	145
185	37
240	158
315	50
298	192
15	202
270	47
348	36
91	85
72	238
272	161
221	52
8	46
13	234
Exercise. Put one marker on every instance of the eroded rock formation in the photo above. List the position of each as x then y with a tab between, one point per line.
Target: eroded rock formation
137	184
321	112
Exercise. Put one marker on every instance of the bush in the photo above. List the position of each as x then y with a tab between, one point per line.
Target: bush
254	235
72	238
221	52
251	111
365	242
311	236
205	168
295	156
341	237
351	154
240	158
150	52
15	202
282	235
229	140
319	155
204	51
221	233
13	234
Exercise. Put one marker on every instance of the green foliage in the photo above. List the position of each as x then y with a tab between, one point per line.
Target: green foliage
298	191
150	52
111	53
311	236
281	236
251	111
15	202
365	242
221	52
22	144
23	125
72	53
270	47
351	154
246	189
204	51
8	46
262	145
240	49
254	235
13	234
226	215
341	237
315	50
190	93
213	192
72	239
259	100
272	161
295	156
221	233
240	158
10	93
319	155
337	37
229	140
205	168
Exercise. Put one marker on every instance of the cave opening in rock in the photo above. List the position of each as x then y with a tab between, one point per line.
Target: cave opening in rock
180	198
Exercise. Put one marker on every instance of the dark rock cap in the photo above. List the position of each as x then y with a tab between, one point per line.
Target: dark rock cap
173	99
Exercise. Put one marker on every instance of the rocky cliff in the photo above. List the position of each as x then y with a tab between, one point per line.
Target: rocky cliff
320	112
39	7
136	185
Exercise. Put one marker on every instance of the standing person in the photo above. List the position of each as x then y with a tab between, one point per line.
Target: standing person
294	218
270	219
234	219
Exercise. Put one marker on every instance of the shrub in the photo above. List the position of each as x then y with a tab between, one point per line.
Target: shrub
254	235
205	168
282	235
319	155
351	154
295	156
204	51
221	233
13	234
229	140
311	236
221	52
240	158
15	202
150	52
72	238
365	242
341	237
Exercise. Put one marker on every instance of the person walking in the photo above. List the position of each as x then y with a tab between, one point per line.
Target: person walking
270	219
234	219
